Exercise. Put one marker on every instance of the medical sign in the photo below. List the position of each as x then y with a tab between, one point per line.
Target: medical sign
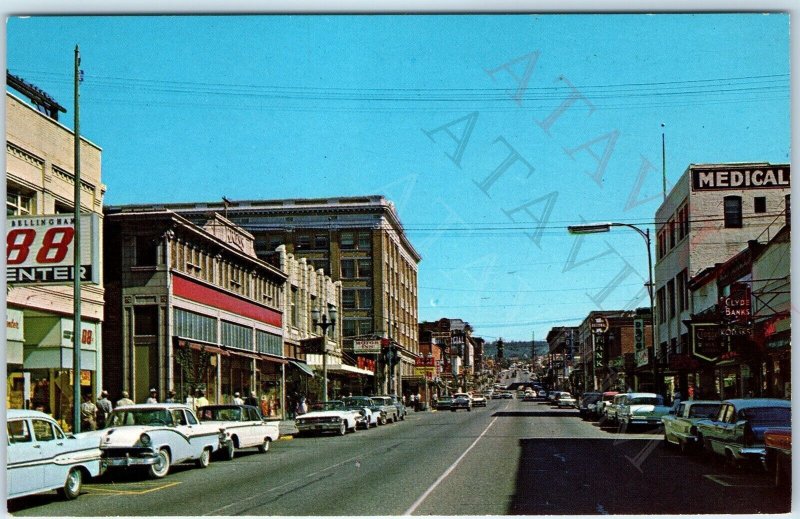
39	249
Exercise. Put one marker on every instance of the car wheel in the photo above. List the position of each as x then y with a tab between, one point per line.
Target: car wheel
403	416
382	420
229	451
264	447
161	467
204	459
72	486
342	429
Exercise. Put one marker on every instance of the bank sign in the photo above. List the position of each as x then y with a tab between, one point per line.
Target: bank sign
741	178
39	249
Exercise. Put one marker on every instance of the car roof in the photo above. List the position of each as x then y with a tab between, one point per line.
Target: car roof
154	406
695	402
226	406
26	413
744	403
642	395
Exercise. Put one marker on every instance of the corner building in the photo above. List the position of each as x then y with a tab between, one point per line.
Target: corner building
709	216
359	241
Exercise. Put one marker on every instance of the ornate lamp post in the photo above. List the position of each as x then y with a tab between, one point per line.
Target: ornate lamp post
324	324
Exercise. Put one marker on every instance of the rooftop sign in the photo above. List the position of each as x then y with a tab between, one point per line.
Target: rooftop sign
741	178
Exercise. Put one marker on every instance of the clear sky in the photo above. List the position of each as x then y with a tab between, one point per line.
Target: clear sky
428	111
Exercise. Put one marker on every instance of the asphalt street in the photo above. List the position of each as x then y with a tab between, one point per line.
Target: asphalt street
512	457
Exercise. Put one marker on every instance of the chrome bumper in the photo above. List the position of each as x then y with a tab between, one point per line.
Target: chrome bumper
128	461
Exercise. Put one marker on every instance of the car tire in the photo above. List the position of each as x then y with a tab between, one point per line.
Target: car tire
683	447
342	429
160	469
382	421
72	485
264	447
403	416
229	451
204	460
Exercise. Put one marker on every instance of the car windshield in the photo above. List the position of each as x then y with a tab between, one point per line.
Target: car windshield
767	415
703	410
358	402
139	417
645	400
590	399
328	406
220	414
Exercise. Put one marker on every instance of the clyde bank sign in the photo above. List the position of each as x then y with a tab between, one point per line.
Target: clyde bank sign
741	178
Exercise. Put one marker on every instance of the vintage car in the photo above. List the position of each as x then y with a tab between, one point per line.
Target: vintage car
564	399
530	396
600	407
778	457
401	408
612	410
41	457
370	413
444	403
680	423
587	401
641	409
243	425
156	436
392	413
461	401
737	431
328	416
478	400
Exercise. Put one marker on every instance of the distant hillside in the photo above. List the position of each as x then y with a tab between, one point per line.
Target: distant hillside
516	349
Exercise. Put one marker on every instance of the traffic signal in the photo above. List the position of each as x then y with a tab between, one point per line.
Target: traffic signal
638	334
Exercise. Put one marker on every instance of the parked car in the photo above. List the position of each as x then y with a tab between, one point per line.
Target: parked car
401	408
529	397
588	399
507	395
564	399
444	403
326	417
243	425
778	457
41	457
461	401
641	409
612	410
478	400
600	407
680	423
391	409
373	413
737	431
156	436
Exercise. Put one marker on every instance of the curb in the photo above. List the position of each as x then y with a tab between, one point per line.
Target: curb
286	437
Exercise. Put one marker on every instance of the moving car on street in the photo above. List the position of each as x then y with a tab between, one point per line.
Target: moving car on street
680	423
461	401
156	436
41	457
587	401
564	399
478	400
330	416
737	431
444	403
243	425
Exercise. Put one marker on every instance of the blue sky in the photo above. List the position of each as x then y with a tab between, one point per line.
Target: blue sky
193	108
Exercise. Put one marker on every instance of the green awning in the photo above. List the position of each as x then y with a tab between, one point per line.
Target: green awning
302	367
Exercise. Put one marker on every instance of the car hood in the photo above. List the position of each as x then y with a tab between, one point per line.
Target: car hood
325	414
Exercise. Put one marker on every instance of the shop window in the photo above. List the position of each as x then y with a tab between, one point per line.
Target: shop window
760	204
733	212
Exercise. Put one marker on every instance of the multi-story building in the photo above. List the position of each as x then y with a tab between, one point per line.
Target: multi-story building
708	217
356	240
40	181
561	352
190	307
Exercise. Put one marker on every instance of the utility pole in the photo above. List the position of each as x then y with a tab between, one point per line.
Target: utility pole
76	271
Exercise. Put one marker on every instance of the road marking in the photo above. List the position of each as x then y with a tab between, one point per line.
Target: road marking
447	472
122	491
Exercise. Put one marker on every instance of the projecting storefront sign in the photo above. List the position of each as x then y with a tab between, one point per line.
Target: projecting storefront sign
367	347
706	341
741	178
39	249
641	357
599	324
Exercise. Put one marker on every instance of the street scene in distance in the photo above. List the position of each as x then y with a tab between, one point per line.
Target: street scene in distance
376	265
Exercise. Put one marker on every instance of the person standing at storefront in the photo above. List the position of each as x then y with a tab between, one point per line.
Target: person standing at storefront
88	414
104	409
200	399
153	398
237	399
124	400
252	399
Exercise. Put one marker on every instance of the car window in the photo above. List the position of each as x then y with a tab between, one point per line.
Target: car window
721	413
18	432
178	418
703	410
681	409
254	414
43	430
767	415
729	414
191	418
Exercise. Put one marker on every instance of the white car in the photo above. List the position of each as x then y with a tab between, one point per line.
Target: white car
156	436
328	416
564	399
370	412
243	426
42	457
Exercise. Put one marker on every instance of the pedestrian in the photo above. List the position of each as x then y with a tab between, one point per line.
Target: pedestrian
302	407
124	400
104	409
88	414
237	399
200	399
418	402
171	398
153	398
190	401
252	399
411	401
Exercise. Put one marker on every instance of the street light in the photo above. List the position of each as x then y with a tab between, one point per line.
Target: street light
324	324
606	227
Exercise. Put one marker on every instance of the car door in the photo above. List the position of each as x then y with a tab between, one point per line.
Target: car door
44	432
720	427
184	441
253	429
25	471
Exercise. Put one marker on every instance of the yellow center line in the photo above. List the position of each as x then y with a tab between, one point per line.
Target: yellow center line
92	488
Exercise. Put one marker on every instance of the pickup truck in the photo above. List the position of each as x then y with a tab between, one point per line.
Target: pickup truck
679	423
641	409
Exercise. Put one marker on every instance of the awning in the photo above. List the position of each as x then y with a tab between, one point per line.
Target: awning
346	368
272	358
302	367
